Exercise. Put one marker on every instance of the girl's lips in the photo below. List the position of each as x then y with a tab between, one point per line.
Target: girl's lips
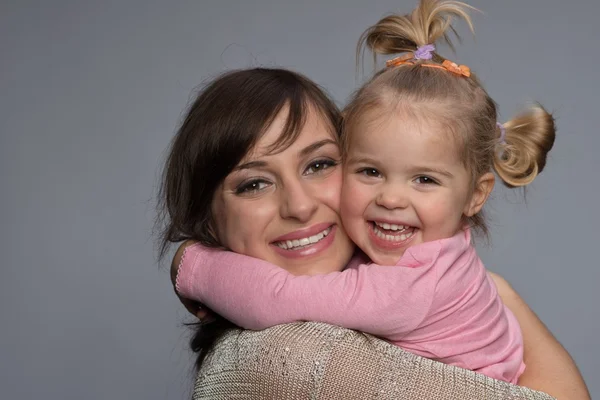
389	244
310	249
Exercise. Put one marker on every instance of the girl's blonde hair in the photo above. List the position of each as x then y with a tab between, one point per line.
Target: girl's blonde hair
457	103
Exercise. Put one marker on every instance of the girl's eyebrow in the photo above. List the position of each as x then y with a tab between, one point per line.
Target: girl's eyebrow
361	160
440	171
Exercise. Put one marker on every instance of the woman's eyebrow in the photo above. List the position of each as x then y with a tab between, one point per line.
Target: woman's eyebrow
251	164
312	147
305	151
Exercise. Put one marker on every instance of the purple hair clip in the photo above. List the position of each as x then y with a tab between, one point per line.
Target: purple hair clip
424	52
502	138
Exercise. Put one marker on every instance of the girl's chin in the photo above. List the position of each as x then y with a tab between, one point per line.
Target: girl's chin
386	258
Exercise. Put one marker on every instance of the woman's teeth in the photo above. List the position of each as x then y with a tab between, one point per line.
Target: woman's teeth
299	243
392	227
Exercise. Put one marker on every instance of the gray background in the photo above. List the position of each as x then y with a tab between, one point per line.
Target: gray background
90	95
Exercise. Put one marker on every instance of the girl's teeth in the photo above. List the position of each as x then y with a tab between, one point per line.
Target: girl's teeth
392	227
392	238
291	244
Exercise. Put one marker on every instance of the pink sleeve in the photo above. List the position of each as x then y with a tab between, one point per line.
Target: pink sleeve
387	301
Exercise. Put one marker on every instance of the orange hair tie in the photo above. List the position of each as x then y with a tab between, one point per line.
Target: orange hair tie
408	59
457	69
403	59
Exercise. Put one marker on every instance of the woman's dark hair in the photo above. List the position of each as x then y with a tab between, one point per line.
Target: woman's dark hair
222	125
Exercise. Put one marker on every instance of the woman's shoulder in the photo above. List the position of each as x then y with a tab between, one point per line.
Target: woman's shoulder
317	360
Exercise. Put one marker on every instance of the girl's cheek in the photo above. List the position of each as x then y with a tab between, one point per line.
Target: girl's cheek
353	197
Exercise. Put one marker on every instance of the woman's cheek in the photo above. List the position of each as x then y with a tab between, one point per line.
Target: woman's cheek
329	190
247	225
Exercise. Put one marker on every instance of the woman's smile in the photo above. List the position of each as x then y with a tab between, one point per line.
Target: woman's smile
306	242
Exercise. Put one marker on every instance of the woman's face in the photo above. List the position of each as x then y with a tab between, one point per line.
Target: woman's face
284	207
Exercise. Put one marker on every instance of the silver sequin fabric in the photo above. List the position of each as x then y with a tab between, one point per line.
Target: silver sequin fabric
313	360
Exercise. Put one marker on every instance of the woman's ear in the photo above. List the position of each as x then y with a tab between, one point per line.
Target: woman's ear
483	189
212	231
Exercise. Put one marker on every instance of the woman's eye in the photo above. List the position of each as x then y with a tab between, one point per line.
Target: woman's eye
318	166
252	187
426	180
370	172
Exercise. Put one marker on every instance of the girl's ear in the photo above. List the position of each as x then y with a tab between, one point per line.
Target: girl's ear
483	189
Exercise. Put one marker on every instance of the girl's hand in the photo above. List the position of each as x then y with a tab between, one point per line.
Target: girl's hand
192	306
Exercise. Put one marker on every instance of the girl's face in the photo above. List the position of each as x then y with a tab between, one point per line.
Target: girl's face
284	207
404	184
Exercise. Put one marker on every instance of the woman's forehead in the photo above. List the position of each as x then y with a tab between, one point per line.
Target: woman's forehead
314	129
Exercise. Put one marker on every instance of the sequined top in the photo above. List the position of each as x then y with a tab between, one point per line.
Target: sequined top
313	360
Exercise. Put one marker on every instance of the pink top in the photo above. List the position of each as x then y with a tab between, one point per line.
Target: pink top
437	302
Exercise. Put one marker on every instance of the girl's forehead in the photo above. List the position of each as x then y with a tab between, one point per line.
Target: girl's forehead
428	126
406	136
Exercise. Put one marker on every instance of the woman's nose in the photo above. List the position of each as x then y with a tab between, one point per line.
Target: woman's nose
298	202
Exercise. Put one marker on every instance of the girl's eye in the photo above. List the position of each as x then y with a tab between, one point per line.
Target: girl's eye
370	172
426	180
252	187
320	165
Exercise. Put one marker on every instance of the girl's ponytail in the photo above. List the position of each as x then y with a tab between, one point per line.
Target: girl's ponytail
429	22
524	146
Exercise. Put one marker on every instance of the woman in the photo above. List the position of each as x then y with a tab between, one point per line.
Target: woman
255	161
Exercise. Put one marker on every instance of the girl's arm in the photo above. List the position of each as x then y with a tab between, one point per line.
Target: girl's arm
550	368
192	306
254	294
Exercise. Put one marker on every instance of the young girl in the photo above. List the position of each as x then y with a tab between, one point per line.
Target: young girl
420	142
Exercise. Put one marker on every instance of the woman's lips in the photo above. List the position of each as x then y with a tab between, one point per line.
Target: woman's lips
304	233
306	242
